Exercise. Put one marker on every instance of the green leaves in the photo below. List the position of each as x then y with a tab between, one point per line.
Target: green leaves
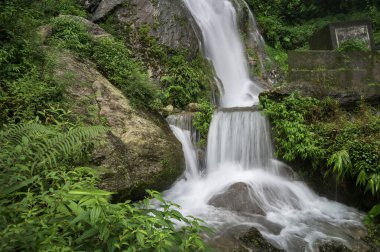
92	192
202	120
321	132
293	137
60	206
341	162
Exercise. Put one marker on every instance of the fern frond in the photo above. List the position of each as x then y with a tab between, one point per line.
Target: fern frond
66	145
14	134
341	162
48	146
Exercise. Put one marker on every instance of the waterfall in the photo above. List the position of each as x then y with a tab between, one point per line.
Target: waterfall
217	21
239	152
240	137
189	152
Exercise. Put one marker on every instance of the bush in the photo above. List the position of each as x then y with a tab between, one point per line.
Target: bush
113	59
202	120
319	131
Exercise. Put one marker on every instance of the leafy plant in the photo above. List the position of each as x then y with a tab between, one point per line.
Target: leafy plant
341	162
292	136
321	132
113	59
202	120
353	45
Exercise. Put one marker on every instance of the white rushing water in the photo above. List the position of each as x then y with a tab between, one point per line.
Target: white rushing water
240	152
217	21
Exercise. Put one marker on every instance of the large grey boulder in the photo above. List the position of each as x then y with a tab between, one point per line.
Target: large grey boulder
236	198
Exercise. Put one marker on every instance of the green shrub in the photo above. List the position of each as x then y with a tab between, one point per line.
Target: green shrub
28	95
185	82
25	86
114	60
72	35
202	120
294	139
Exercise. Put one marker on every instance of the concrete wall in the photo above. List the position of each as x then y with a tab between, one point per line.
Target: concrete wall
357	72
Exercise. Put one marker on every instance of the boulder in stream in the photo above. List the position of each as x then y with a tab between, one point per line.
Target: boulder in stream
237	198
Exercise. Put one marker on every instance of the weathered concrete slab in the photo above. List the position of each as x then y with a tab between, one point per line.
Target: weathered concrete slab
333	35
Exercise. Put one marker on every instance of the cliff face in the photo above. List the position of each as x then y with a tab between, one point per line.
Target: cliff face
169	20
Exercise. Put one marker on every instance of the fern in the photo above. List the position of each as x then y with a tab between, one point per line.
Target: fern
14	134
44	146
65	145
341	162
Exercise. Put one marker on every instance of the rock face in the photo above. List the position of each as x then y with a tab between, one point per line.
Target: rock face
140	152
236	198
169	20
104	8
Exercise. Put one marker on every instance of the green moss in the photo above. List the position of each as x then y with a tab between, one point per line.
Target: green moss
278	56
256	69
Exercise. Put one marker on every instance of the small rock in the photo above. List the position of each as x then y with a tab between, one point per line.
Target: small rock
193	107
331	246
168	109
254	240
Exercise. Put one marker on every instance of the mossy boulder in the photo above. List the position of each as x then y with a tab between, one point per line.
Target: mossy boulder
140	152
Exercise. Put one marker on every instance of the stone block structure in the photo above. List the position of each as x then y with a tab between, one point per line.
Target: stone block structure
333	35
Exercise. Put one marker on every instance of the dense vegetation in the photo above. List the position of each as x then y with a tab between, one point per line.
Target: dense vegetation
331	139
183	78
49	197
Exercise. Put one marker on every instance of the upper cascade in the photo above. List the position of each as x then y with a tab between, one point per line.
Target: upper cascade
222	44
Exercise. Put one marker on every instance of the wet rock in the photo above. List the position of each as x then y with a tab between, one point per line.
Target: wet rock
254	241
236	198
240	238
168	110
331	246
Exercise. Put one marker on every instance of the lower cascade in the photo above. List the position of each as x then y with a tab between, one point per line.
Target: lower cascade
243	186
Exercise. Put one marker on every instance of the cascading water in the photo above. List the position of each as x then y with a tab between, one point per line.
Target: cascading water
286	212
217	21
